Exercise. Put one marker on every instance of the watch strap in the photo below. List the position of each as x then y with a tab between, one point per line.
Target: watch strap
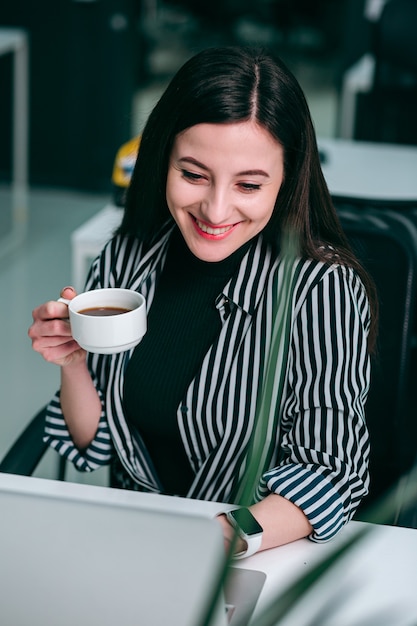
253	546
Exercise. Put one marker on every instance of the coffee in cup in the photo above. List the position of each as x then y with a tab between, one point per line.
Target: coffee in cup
99	311
107	321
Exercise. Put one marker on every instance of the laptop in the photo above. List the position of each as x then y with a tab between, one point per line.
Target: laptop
76	554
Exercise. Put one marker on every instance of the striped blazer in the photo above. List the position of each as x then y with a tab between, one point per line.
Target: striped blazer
306	424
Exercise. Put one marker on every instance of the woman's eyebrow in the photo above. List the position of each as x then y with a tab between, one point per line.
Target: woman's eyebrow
193	161
253	173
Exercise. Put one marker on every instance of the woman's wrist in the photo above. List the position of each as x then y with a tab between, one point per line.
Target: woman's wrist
75	367
229	534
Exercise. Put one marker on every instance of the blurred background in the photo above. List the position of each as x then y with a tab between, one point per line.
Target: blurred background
96	68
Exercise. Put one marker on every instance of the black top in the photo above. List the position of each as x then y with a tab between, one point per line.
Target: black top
182	325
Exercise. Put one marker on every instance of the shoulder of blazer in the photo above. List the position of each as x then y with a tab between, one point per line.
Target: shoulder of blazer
125	257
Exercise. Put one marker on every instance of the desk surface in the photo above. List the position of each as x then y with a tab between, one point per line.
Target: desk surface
374	171
374	584
380	575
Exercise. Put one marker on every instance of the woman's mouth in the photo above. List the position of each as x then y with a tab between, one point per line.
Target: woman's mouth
212	231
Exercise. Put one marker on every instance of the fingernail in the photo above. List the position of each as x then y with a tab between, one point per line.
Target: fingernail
69	287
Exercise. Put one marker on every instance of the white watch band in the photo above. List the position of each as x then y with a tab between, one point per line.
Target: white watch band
253	543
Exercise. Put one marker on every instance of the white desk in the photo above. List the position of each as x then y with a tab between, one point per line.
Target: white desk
380	575
376	580
385	173
15	41
88	240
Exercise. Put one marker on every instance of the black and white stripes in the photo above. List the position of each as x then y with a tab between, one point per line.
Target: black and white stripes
315	440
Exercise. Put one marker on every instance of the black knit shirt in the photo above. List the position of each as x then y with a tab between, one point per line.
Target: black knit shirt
183	323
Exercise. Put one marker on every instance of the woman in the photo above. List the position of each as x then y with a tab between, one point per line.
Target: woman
228	168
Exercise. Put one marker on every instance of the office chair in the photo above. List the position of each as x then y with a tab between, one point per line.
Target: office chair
27	451
385	241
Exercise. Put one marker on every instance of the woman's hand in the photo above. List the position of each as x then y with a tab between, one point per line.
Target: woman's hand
51	333
51	337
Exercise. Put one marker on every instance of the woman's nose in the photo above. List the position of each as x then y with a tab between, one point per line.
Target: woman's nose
216	207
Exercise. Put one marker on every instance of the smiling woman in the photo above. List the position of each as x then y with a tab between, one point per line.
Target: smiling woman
228	169
223	181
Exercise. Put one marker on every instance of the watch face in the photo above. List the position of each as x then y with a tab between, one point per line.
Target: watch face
246	522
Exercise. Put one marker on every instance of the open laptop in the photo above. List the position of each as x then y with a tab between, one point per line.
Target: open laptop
75	554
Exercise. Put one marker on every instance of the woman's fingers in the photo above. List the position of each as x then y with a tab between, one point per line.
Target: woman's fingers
50	332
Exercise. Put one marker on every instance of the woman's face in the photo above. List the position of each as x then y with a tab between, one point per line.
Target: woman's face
223	181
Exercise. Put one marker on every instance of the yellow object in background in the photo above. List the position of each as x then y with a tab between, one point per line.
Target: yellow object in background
122	169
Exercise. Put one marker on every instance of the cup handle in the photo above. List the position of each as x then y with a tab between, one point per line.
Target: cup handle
64	300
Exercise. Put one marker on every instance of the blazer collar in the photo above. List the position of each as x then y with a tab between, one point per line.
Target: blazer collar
244	289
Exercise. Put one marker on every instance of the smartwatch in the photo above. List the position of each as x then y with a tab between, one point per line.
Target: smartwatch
247	528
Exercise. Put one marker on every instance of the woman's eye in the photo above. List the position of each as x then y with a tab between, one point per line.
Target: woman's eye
191	175
249	186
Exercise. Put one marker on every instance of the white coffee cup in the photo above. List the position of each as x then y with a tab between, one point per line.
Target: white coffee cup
107	321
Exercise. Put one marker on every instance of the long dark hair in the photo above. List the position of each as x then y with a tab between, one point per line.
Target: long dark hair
235	84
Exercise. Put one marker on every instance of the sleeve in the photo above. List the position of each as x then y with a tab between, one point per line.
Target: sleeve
325	444
116	266
56	434
97	454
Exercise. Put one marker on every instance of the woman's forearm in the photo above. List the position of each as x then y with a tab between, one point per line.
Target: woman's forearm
281	520
80	403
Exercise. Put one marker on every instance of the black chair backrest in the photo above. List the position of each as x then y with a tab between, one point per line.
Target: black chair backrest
26	452
386	243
